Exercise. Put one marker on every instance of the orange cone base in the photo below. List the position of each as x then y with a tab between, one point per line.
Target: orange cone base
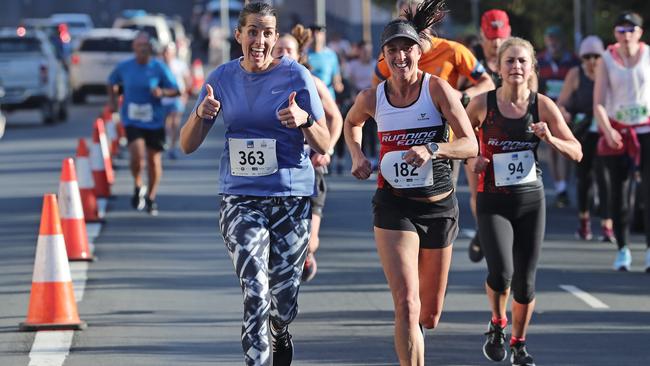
26	327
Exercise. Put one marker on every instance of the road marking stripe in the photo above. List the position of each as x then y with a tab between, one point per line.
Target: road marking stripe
50	348
78	271
584	296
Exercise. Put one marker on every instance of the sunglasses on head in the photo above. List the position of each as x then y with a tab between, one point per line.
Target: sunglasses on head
590	56
625	28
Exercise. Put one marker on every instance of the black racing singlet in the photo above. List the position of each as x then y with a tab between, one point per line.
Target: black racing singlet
510	141
582	99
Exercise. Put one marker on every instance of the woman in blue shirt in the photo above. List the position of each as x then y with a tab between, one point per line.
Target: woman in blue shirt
269	107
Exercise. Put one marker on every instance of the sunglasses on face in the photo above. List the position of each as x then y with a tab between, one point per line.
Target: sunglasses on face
590	56
624	28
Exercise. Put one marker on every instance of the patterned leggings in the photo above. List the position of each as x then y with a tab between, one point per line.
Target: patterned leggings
267	238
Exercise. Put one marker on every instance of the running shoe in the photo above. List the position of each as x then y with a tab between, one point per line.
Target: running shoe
623	260
494	347
647	261
608	235
152	207
584	230
309	268
519	355
172	155
475	251
282	348
138	201
562	200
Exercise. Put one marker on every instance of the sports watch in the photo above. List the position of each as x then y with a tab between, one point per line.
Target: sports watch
433	149
310	122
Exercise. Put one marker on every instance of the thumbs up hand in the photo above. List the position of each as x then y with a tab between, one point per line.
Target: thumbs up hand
209	107
292	116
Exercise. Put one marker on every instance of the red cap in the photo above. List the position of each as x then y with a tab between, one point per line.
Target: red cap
495	24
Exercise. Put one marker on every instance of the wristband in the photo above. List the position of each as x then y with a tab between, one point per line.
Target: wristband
310	122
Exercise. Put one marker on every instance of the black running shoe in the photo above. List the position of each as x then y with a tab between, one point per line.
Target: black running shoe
494	348
562	200
519	355
475	251
282	348
137	201
152	207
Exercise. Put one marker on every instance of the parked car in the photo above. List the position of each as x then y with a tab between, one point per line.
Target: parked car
155	25
97	54
57	33
32	75
78	23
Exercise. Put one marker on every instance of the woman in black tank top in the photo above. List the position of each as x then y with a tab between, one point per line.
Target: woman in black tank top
576	103
512	121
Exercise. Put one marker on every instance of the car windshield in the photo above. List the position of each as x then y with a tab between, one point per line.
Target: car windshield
149	29
106	45
11	45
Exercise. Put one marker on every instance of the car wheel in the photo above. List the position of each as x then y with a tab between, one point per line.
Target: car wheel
48	109
78	97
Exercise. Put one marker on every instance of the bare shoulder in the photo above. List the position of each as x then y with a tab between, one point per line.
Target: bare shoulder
546	106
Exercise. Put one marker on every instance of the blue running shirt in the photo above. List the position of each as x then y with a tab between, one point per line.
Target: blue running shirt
249	106
140	108
324	65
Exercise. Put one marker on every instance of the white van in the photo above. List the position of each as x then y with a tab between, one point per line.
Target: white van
155	25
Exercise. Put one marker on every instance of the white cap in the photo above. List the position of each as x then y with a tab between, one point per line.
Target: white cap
591	45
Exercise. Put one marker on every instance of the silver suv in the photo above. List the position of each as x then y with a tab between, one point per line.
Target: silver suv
32	76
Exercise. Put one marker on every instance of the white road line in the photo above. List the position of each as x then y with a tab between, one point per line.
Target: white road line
78	271
585	296
50	348
93	229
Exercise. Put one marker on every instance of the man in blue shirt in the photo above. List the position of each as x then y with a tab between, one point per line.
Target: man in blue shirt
324	62
144	81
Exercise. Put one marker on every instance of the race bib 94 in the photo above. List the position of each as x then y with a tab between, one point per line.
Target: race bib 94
400	174
252	157
514	168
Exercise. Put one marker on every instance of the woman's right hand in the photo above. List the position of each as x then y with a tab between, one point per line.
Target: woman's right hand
209	107
613	138
361	167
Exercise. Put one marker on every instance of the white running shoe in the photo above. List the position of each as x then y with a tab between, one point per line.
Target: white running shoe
623	260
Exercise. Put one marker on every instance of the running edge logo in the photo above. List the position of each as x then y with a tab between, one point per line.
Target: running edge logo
512	145
404	138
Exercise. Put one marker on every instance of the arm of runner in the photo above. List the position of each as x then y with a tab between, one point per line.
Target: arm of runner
464	144
334	121
601	84
555	131
476	111
474	71
200	121
568	88
361	110
315	132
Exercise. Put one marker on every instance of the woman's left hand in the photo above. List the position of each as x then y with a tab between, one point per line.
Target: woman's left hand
292	116
417	155
542	131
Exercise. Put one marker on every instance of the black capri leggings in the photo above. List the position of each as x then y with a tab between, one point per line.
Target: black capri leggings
587	169
511	231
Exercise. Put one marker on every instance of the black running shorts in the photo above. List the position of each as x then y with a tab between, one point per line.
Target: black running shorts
154	139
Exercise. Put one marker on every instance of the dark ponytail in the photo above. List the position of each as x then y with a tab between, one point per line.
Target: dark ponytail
428	14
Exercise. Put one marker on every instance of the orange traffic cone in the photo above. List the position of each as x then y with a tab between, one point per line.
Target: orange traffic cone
86	185
198	76
51	304
72	215
100	161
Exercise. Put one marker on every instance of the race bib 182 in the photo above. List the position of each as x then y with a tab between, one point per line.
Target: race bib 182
400	174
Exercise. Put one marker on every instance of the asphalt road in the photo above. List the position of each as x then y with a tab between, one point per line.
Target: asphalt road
163	291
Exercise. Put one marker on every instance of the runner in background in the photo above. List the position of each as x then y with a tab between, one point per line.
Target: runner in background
174	107
294	46
576	104
553	65
622	108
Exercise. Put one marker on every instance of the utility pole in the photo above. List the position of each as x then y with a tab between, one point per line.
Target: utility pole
475	16
367	23
577	24
320	12
225	30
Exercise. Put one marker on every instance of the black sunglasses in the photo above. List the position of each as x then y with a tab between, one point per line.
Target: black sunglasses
589	56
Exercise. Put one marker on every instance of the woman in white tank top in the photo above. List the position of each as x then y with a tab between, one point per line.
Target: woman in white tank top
622	109
415	207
